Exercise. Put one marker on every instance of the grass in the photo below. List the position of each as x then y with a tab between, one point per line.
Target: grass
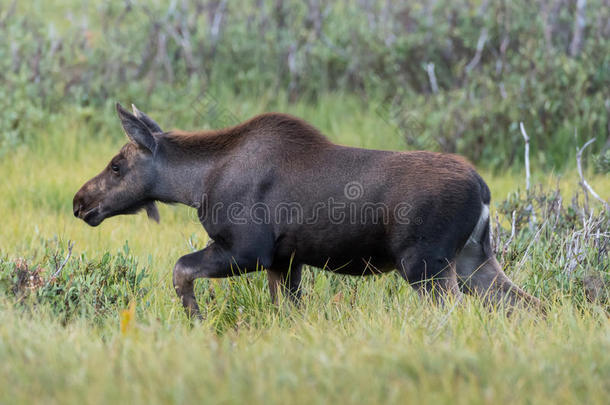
354	340
383	350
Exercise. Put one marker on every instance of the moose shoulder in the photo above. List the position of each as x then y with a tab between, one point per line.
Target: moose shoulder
274	194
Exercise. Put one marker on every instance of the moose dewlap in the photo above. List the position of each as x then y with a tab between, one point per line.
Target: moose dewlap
275	194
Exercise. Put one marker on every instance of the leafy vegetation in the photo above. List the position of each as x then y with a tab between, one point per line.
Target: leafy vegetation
87	289
451	75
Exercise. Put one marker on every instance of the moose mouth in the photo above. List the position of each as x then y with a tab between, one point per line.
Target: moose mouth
95	216
92	217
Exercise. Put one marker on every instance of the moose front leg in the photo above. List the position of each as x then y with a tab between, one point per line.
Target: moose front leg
289	281
212	262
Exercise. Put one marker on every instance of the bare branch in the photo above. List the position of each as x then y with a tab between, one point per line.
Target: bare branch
530	207
477	56
218	15
583	183
512	231
432	76
527	156
579	28
63	264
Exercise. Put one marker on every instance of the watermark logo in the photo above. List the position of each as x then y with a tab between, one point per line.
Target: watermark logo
353	190
208	108
350	208
403	121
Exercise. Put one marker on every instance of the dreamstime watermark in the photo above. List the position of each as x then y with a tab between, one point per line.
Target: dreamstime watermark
207	107
204	107
352	207
401	119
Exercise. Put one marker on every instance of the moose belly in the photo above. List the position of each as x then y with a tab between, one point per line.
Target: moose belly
352	250
358	266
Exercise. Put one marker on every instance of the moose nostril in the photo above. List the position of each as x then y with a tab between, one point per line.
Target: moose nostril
77	208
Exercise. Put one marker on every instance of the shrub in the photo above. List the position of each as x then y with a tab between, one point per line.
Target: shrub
565	244
86	288
466	72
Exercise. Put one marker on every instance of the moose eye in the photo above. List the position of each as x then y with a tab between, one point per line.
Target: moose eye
115	168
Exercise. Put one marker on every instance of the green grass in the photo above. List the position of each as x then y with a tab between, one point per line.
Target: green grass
382	349
354	340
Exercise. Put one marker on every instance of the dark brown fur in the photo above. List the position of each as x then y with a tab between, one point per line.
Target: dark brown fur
292	129
440	243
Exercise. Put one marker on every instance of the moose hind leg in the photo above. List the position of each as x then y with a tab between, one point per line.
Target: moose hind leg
432	276
480	274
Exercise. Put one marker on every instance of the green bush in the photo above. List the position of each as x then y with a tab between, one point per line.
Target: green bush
602	162
495	64
92	289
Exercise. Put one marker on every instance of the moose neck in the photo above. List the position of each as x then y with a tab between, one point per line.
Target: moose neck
181	176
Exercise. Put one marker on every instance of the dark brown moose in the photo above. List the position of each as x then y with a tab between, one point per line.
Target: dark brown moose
274	194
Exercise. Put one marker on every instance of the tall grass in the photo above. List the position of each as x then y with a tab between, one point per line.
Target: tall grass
354	340
371	348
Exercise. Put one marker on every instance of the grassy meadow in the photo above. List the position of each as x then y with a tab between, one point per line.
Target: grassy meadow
89	315
82	338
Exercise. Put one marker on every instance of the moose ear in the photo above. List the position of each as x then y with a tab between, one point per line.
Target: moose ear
136	130
152	211
150	123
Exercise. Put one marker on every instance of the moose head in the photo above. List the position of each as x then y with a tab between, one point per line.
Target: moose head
125	185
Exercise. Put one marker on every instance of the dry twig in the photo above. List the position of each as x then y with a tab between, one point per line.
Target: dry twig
512	234
477	56
528	173
527	156
63	264
432	77
583	183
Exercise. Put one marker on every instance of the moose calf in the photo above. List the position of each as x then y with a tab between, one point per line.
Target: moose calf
275	194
